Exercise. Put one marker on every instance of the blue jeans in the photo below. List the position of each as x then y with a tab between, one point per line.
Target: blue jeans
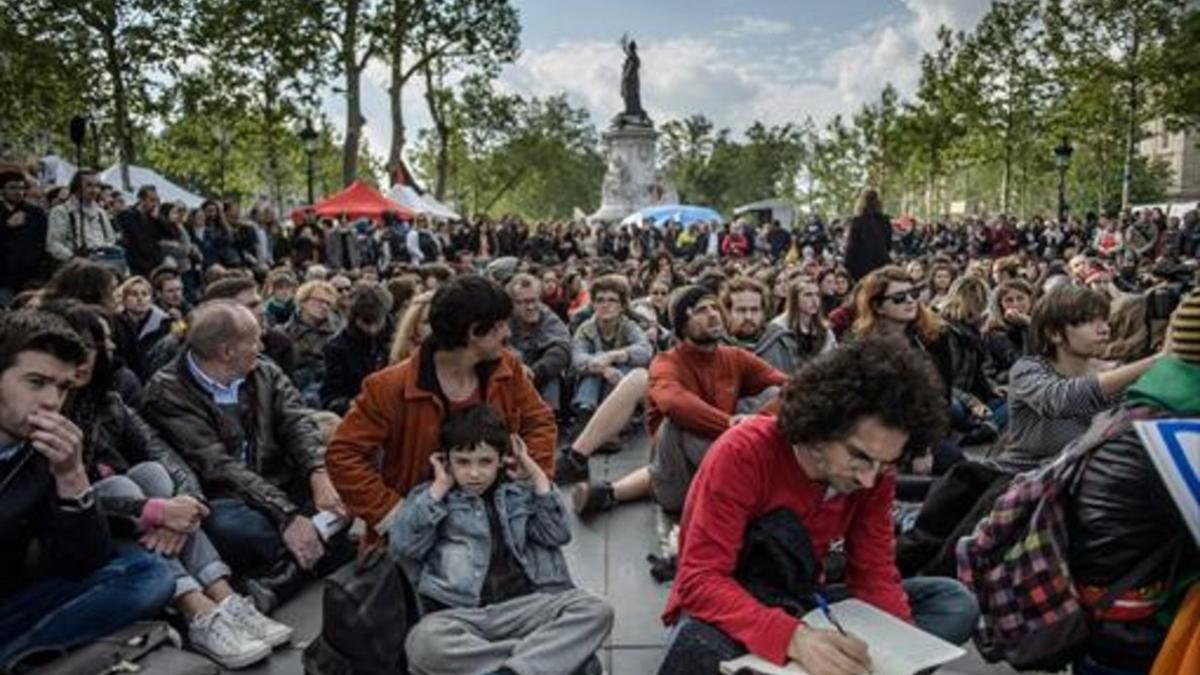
590	389
60	613
940	606
246	538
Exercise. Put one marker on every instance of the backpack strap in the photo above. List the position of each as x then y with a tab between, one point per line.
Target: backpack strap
1138	574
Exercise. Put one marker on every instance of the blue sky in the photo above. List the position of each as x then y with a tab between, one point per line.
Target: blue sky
737	62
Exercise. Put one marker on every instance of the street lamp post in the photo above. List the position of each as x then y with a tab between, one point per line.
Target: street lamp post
223	138
308	138
1062	160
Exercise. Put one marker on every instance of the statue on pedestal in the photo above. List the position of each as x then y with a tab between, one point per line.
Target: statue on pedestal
631	88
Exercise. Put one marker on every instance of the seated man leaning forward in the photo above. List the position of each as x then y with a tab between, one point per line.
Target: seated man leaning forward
238	421
494	585
826	462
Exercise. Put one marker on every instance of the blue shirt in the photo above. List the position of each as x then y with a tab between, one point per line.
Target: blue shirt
222	394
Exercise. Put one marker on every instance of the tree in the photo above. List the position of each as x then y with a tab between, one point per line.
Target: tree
485	32
1119	44
120	50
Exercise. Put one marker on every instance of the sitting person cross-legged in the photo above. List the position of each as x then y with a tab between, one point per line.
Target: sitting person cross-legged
825	466
493	582
239	424
60	584
148	495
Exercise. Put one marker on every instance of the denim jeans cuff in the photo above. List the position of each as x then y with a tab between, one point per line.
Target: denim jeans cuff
213	572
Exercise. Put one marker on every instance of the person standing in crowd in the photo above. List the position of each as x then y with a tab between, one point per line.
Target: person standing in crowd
869	237
539	337
359	348
692	398
67	236
142	232
74	590
400	409
22	238
823	466
240	425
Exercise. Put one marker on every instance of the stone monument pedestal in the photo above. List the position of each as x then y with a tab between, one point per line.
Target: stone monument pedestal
631	180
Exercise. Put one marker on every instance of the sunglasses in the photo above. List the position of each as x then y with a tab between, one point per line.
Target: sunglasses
898	297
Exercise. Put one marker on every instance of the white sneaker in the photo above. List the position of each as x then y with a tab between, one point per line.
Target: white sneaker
217	637
245	616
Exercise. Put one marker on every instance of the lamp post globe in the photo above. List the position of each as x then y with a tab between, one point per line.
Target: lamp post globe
308	140
1062	160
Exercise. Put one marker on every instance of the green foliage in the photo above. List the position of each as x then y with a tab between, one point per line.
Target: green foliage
536	157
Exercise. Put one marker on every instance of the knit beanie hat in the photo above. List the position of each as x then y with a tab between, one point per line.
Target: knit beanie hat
1185	329
682	303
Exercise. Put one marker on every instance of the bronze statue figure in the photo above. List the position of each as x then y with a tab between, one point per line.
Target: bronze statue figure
631	88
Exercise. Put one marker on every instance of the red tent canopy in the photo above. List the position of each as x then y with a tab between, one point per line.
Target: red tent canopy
359	201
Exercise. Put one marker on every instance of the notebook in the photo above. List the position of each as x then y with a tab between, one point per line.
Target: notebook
896	647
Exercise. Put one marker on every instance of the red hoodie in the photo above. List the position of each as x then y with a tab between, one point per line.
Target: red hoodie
748	472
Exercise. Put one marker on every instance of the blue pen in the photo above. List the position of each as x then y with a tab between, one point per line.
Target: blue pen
823	604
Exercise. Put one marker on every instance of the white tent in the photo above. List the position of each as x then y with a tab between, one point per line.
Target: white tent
55	171
425	205
768	210
168	192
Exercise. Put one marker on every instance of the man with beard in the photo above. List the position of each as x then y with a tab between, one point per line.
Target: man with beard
746	304
692	399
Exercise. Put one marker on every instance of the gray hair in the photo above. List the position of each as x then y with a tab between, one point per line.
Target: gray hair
212	325
524	280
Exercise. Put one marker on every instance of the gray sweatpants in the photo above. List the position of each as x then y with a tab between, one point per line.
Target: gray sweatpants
198	565
535	634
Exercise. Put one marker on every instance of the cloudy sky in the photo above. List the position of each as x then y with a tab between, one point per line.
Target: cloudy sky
734	60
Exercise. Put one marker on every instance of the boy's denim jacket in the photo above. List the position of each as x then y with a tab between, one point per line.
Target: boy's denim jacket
451	541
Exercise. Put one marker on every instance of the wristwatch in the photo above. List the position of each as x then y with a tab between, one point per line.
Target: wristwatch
79	503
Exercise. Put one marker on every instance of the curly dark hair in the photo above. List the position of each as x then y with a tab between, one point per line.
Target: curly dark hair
879	376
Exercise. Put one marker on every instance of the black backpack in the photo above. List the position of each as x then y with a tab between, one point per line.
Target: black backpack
368	608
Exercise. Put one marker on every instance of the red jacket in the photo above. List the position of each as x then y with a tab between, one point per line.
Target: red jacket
748	472
698	390
400	411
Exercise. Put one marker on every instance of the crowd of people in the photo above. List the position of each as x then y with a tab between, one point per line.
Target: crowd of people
195	406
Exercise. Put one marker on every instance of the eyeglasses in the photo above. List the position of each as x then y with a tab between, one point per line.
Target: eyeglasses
898	297
606	300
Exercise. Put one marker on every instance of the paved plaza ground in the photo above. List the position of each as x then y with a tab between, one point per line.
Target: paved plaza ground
608	556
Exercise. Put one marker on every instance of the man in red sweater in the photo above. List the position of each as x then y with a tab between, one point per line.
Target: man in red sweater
826	461
692	398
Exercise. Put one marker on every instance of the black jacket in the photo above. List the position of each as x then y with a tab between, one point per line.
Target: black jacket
274	423
116	439
22	249
868	245
1120	513
349	357
140	235
1002	347
38	538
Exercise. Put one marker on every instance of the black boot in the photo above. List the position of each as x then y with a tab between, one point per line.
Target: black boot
280	584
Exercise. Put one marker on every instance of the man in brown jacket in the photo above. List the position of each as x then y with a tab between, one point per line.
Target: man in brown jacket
400	409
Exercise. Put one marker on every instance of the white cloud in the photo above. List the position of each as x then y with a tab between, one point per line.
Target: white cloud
744	25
